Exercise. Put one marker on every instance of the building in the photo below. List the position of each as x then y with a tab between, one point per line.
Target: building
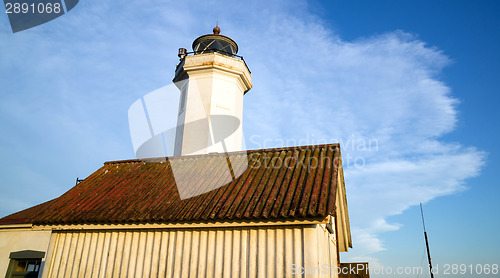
210	211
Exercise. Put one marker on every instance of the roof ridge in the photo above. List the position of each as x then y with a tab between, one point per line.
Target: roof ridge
193	156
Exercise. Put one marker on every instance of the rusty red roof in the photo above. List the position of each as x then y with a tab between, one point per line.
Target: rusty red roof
23	216
267	184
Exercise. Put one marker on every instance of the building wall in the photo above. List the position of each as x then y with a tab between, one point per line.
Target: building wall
12	240
202	252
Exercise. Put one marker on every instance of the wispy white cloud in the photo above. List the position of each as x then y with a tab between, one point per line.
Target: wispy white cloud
381	97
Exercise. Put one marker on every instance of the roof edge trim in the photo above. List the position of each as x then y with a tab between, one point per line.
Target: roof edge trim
210	224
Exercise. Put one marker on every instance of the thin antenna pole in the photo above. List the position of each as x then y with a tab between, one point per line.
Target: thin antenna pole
426	242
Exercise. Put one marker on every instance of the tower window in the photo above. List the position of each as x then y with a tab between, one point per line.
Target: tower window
219	46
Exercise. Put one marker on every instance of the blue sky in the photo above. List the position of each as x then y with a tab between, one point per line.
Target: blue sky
409	89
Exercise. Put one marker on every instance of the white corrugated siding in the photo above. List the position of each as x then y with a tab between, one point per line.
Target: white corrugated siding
228	252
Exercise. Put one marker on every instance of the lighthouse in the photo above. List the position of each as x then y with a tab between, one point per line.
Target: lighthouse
210	211
212	81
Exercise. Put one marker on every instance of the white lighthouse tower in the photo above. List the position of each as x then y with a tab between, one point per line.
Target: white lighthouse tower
212	82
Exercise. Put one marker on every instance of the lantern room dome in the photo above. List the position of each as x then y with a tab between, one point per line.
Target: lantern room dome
215	43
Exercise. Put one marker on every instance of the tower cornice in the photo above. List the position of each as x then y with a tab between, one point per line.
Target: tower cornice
215	62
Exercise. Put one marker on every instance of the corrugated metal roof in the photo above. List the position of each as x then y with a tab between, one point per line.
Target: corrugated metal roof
283	183
21	217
